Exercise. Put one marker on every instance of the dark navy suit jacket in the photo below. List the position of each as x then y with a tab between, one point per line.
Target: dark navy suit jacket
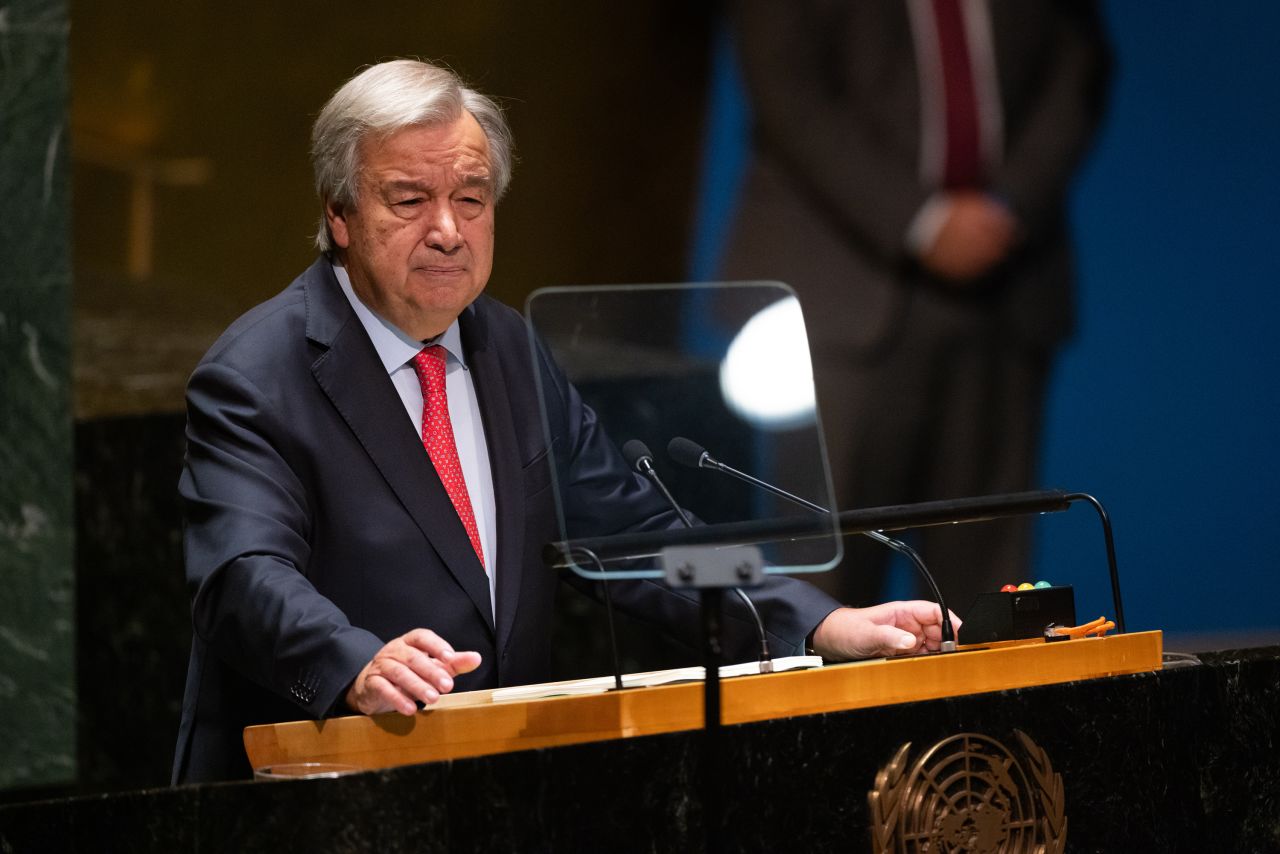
317	529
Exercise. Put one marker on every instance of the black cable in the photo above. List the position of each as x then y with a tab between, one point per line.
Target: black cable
608	610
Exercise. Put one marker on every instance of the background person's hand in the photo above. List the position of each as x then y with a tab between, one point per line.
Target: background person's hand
976	235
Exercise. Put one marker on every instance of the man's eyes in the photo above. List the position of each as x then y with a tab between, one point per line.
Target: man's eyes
471	203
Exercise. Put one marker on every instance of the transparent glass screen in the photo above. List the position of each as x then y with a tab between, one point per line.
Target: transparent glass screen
722	370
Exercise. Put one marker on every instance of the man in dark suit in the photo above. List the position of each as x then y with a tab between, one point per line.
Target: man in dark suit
367	485
909	175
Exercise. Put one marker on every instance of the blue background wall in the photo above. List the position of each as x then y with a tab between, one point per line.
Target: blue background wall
1164	406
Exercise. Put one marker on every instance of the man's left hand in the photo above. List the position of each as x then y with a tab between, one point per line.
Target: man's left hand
893	628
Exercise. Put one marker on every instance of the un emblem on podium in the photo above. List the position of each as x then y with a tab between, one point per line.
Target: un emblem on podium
969	794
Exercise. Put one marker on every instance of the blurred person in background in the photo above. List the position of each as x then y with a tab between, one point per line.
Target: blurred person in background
909	177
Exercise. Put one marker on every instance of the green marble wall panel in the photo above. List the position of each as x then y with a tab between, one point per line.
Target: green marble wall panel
37	602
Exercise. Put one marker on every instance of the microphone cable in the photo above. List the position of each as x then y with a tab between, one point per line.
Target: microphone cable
639	457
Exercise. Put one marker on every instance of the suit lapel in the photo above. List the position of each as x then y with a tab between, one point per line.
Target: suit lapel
490	382
351	375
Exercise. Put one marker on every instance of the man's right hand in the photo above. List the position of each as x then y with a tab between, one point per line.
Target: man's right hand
416	667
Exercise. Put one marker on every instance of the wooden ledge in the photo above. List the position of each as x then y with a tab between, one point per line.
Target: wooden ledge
470	724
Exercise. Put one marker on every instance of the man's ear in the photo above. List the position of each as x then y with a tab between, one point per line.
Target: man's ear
336	217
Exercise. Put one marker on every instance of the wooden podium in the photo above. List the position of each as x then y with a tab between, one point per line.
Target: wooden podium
473	724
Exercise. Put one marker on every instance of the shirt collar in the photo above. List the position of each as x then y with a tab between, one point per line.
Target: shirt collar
394	346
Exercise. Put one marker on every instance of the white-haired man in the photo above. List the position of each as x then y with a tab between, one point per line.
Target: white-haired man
367	486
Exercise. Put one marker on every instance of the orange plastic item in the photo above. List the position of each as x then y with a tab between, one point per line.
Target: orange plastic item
1093	628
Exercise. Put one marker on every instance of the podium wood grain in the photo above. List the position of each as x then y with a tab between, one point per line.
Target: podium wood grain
471	724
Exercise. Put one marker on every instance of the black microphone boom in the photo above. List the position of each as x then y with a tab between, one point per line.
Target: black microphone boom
638	457
689	453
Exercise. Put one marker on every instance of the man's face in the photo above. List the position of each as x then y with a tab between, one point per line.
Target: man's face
418	245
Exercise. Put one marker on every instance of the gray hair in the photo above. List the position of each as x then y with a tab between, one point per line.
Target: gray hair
383	99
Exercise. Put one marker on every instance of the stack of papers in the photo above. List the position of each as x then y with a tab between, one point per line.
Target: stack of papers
600	684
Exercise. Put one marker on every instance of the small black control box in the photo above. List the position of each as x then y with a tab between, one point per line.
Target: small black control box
1018	614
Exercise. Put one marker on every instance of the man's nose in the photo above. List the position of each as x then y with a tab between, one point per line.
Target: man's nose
442	230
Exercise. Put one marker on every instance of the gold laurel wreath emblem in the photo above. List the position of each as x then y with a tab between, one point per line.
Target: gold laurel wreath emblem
886	798
1052	794
886	801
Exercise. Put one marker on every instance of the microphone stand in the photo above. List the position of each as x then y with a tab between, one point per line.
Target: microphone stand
711	601
709	571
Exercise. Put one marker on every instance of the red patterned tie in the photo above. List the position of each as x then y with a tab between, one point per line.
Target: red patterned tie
964	158
437	438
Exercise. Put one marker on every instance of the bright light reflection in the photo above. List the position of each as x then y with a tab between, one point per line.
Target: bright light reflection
766	377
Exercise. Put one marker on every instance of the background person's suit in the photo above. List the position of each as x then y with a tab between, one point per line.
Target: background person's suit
927	390
317	529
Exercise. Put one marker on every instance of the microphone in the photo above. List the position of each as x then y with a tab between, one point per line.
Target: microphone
639	458
689	453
